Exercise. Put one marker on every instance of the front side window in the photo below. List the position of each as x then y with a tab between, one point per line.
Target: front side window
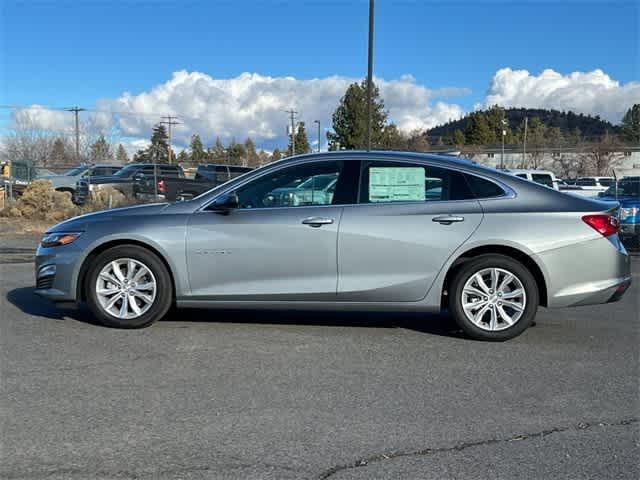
389	182
296	186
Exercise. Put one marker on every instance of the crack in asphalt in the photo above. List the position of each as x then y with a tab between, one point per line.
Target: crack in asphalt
380	457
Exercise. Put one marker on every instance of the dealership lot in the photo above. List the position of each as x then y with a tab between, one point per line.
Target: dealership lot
222	394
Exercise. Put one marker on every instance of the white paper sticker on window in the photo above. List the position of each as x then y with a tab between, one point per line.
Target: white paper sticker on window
396	184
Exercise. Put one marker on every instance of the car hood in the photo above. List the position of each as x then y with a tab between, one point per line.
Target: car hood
80	223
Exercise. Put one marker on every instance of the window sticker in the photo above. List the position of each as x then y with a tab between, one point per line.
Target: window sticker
396	184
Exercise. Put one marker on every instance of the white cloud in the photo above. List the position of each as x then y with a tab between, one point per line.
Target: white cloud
594	92
254	105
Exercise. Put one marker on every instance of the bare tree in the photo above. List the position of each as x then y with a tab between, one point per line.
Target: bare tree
566	166
600	158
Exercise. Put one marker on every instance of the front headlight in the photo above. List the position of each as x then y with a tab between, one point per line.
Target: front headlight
58	239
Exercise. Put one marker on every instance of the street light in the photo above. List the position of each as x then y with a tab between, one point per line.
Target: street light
504	133
318	122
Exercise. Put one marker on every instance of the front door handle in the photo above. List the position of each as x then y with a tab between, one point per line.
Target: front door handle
317	221
447	219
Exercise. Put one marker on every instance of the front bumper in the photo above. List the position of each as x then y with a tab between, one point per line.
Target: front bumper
55	271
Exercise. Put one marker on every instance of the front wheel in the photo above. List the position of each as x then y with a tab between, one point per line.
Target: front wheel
128	287
493	297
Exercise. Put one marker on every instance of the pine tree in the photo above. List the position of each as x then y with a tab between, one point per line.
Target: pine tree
183	157
198	154
302	142
252	159
631	125
121	155
158	151
217	153
236	153
458	137
478	131
276	155
350	119
100	151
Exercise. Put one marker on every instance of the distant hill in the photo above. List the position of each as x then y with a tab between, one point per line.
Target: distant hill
567	122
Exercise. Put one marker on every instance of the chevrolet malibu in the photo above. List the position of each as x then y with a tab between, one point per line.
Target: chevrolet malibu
396	232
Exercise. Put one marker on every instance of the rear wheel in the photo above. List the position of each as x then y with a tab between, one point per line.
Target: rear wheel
493	297
128	287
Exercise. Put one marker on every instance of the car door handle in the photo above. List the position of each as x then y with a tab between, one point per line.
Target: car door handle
317	221
447	219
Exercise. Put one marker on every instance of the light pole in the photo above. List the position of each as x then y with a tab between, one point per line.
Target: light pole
370	74
318	122
504	133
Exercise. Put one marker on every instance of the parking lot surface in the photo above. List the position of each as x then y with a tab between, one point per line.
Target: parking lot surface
253	395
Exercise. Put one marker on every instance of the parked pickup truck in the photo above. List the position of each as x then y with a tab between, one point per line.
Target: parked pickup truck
206	177
627	193
126	180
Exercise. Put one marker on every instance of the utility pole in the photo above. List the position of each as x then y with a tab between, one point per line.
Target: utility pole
292	114
524	143
170	120
318	122
370	75
76	111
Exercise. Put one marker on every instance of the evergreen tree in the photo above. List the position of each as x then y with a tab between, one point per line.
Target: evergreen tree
158	151
59	154
495	116
276	155
198	154
100	151
350	119
183	157
458	137
302	142
555	138
631	125
252	159
478	131
236	153
217	153
121	155
392	138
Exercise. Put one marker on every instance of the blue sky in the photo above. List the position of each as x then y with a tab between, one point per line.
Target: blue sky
61	53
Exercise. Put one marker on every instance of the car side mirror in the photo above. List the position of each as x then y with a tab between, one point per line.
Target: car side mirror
225	203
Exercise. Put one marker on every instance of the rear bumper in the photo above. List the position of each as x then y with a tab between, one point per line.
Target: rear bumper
588	273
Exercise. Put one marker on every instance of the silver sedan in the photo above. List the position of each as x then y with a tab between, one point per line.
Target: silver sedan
393	232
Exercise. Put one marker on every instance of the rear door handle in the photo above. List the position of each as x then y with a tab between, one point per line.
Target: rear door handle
317	221
447	219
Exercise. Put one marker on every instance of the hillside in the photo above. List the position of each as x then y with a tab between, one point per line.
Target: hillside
565	121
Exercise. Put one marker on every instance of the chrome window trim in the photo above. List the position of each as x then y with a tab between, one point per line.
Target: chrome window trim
509	192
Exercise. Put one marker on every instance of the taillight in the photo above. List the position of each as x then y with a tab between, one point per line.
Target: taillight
606	225
162	187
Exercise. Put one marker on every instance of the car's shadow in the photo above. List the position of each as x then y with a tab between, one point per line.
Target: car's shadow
435	324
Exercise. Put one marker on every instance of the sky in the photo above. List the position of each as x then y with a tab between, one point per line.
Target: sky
231	68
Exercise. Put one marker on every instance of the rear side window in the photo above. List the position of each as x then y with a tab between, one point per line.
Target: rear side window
586	182
482	188
521	175
605	182
543	179
389	182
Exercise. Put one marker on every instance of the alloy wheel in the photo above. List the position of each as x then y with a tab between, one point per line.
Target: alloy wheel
126	288
493	299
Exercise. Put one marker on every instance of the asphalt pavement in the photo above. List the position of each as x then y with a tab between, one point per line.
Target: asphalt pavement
271	395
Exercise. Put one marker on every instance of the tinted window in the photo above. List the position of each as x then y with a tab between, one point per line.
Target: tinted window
521	175
482	188
542	178
309	187
169	171
586	182
605	182
384	182
239	169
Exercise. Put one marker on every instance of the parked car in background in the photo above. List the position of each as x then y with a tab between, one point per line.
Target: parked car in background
486	245
543	177
178	188
124	179
67	181
594	185
317	190
627	193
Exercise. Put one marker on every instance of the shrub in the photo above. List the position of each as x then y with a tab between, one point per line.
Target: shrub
40	201
104	198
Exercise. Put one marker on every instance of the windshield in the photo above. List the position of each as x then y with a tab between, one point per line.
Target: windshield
626	188
75	171
318	182
127	171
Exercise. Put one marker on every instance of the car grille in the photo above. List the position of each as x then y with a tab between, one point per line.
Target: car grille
44	283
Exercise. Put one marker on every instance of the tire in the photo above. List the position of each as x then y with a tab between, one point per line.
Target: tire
143	280
485	316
